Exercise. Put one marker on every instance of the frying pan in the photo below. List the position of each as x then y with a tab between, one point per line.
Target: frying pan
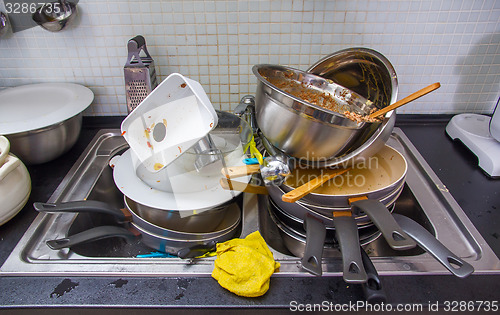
372	289
360	190
296	241
183	244
353	270
338	203
324	213
366	235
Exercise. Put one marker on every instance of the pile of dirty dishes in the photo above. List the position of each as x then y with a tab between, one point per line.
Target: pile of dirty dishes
178	145
170	174
318	137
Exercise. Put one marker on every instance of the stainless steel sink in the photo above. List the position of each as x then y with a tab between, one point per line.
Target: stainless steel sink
424	198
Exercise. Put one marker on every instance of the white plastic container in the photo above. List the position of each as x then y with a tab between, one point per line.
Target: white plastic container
170	120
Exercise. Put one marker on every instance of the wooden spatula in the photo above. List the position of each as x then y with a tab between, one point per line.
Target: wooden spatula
244	187
240	171
405	100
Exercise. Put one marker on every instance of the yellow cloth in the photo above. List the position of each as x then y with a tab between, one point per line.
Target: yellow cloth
245	266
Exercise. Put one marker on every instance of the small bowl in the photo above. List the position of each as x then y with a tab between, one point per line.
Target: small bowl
55	16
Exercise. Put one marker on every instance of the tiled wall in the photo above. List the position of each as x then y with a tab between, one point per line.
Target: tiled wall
217	42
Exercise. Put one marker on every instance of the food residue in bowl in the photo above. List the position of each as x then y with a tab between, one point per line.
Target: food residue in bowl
157	166
361	118
322	99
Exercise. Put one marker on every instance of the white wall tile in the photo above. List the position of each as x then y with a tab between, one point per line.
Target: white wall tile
218	42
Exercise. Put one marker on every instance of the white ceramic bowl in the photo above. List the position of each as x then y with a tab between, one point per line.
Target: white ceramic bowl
15	184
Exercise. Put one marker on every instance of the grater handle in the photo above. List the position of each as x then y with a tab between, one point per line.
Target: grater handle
139	40
135	45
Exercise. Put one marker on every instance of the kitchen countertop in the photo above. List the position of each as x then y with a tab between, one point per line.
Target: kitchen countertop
478	195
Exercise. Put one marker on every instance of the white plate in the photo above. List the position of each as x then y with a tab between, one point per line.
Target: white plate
34	106
131	186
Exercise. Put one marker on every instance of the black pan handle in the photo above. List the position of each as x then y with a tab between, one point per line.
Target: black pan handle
382	218
197	250
94	234
346	231
430	244
315	241
90	206
373	290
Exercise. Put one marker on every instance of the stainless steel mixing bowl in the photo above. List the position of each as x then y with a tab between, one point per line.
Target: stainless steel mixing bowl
371	75
362	70
45	144
298	127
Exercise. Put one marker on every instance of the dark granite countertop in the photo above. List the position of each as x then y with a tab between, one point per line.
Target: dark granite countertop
478	195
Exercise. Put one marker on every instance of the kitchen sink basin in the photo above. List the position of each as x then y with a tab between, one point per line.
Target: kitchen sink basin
424	199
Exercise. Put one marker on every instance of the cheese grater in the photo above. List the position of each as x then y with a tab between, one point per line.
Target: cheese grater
140	74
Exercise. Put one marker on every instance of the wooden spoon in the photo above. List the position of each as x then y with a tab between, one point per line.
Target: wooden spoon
240	171
244	187
305	189
405	100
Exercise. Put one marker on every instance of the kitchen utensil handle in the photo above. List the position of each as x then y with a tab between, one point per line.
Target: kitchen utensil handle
244	187
89	206
140	40
430	244
308	187
10	164
346	231
240	171
315	241
372	289
409	98
382	218
197	250
94	234
134	46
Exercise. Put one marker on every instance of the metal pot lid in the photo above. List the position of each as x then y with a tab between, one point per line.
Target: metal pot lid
362	70
30	107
